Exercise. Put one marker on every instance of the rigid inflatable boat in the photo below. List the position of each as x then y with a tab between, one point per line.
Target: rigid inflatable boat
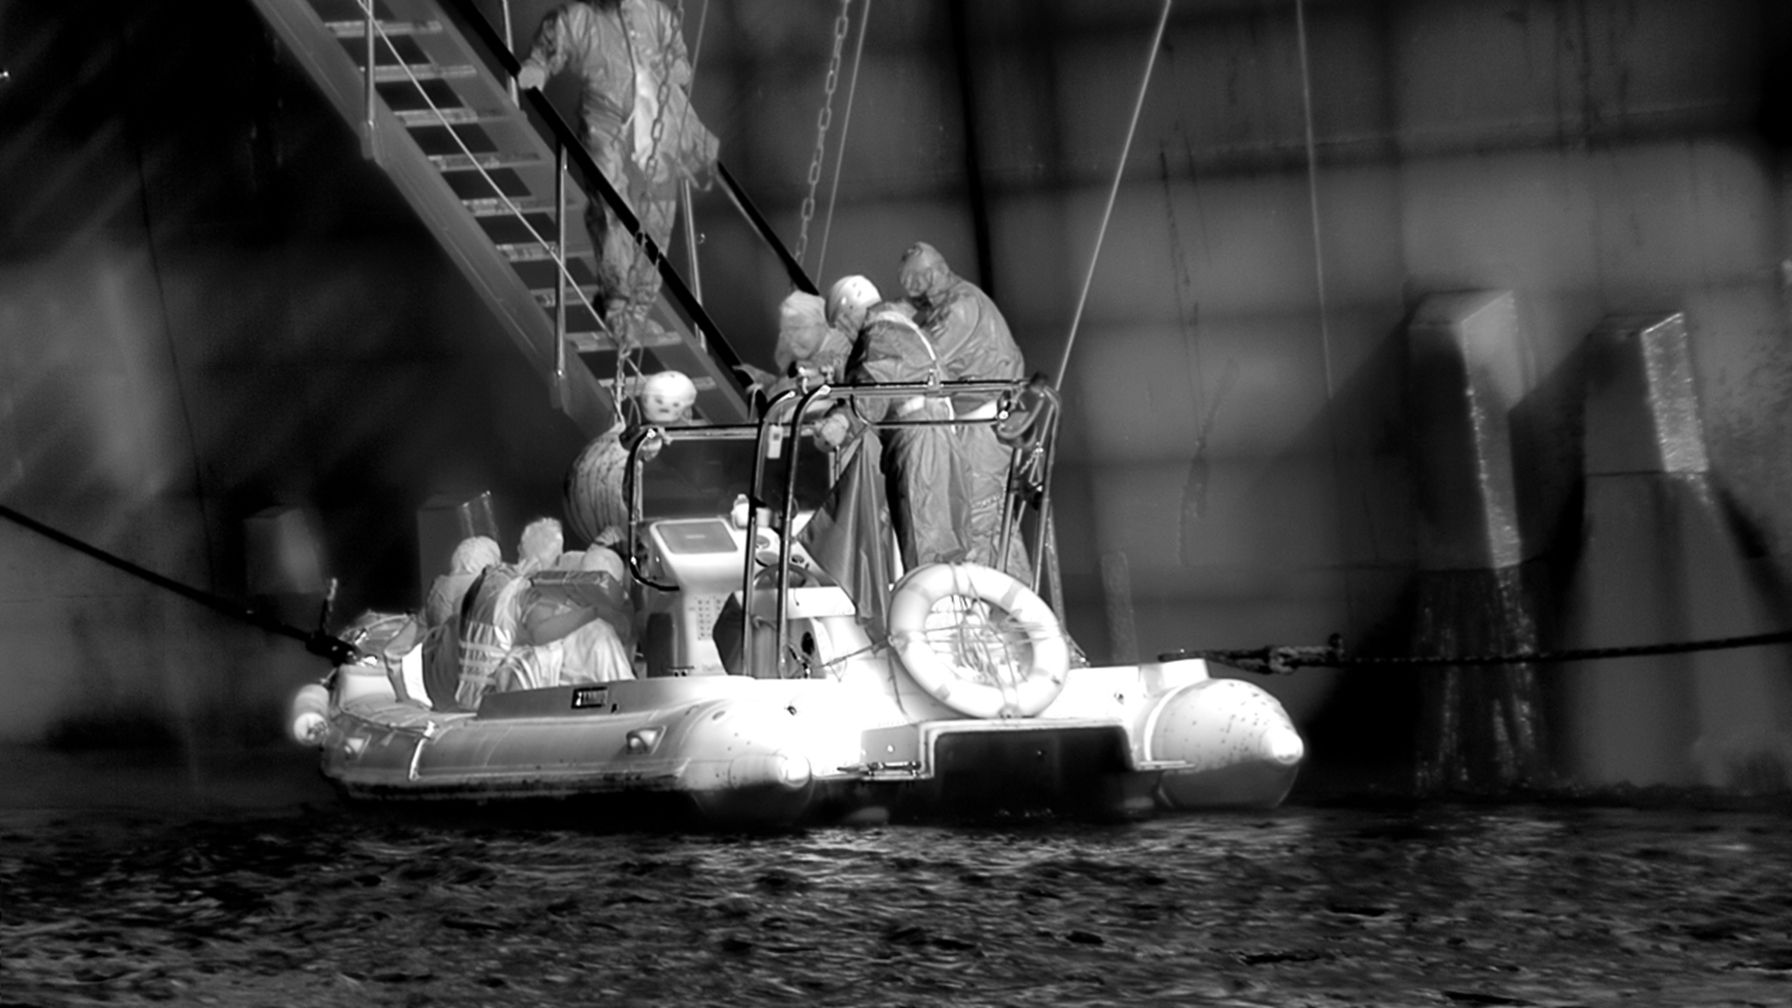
762	692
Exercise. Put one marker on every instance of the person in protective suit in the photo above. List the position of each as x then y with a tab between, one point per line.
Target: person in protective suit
492	607
850	301
575	624
928	489
973	341
634	75
592	493
808	350
441	617
808	347
826	332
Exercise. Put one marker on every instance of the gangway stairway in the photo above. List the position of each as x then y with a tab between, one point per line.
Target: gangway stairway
444	127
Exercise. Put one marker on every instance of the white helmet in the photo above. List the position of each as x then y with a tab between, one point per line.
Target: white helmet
667	397
474	554
541	543
849	298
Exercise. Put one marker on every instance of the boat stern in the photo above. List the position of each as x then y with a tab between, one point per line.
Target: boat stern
1014	768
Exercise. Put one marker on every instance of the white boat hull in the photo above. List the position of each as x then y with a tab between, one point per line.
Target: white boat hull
1125	741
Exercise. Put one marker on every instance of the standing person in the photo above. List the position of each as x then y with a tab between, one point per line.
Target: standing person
850	300
926	473
807	345
972	339
635	76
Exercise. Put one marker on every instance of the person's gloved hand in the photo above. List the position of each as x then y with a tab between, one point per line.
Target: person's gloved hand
831	432
531	77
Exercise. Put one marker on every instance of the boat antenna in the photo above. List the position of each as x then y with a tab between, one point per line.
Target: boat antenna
1163	21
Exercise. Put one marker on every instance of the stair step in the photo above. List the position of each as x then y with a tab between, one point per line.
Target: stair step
404	73
545	296
358	29
460	116
603	342
492	206
533	251
496	159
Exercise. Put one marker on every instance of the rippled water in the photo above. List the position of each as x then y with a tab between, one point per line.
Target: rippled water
1445	905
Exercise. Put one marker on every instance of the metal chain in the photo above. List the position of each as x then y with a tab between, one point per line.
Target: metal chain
629	356
1283	659
822	121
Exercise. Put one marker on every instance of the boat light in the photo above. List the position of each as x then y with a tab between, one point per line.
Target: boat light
643	740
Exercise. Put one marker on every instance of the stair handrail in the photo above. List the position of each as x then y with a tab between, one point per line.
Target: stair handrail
369	127
799	277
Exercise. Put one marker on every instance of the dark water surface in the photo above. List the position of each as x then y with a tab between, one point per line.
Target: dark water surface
1308	905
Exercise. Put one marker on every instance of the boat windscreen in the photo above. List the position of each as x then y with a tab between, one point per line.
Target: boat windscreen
692	478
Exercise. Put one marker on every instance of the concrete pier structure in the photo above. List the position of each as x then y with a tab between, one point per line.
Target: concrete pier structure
1479	727
1661	562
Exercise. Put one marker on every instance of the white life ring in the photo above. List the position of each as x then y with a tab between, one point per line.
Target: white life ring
962	656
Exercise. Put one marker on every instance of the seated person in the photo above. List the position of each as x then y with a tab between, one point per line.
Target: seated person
493	606
441	617
573	626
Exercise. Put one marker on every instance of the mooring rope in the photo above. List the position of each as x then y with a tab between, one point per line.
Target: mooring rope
337	650
1284	659
1276	659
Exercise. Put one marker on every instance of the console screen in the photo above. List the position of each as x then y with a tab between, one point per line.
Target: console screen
705	536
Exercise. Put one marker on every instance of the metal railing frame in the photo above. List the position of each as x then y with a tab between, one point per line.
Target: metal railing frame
785	418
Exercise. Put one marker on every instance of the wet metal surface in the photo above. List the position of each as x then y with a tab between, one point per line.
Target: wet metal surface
1414	905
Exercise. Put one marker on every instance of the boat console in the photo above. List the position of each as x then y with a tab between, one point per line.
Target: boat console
705	559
